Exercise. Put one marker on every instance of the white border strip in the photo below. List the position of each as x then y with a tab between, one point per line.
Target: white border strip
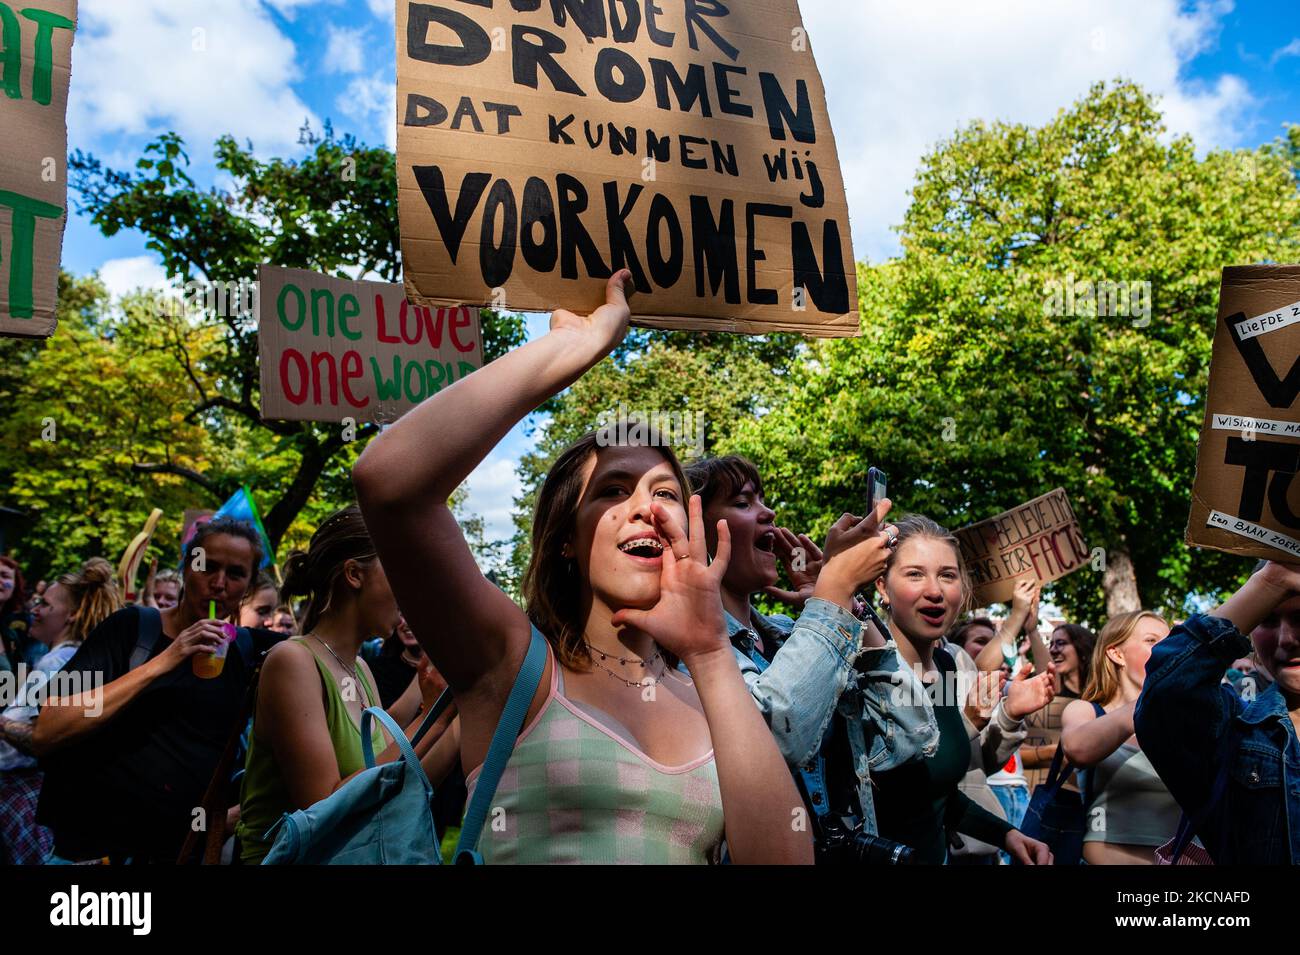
1260	535
1272	321
1247	424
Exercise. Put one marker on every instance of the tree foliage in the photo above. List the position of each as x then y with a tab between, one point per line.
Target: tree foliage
719	380
79	411
975	395
334	211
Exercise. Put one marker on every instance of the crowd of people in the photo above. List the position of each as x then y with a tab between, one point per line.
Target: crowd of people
675	721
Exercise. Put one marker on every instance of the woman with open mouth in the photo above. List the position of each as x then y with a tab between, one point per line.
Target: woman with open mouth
804	674
1070	649
620	758
923	589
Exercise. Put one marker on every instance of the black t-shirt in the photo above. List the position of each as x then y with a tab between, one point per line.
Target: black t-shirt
131	787
392	674
918	803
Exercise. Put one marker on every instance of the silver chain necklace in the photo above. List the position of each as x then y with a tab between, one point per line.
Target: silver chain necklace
639	684
341	664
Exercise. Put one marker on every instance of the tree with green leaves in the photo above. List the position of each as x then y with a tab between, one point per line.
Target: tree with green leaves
979	383
77	412
719	380
334	211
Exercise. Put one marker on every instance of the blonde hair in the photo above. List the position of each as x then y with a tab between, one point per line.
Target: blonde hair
1103	681
94	594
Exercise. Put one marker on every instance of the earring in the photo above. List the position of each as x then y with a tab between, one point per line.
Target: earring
884	605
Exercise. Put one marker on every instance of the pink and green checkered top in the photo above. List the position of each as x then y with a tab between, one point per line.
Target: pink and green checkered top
575	792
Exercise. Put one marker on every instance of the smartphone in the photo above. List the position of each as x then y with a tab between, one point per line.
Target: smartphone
877	488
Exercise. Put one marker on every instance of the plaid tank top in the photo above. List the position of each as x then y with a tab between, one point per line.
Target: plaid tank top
575	792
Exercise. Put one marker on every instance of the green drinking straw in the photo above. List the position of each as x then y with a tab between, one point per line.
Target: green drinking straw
212	610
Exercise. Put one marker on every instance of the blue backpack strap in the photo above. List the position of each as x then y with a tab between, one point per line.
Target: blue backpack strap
399	737
503	744
147	636
1060	770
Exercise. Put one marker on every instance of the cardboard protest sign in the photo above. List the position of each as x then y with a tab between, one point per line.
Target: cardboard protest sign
35	69
332	349
129	565
1040	539
1246	498
544	144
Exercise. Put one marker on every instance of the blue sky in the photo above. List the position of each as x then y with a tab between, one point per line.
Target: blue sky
899	77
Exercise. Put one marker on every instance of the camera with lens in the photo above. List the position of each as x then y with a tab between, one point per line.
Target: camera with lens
840	844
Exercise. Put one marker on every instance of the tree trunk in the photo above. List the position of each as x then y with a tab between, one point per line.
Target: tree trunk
1120	582
315	455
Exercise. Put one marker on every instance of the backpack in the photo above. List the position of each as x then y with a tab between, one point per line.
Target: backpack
1056	815
384	815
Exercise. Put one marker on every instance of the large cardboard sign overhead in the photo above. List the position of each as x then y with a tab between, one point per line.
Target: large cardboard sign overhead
1246	498
332	349
544	144
35	70
1040	540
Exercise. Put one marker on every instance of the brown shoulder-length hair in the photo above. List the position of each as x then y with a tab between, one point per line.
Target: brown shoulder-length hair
552	589
315	573
1103	681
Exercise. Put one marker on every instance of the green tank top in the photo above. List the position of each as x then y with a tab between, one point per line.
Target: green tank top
264	798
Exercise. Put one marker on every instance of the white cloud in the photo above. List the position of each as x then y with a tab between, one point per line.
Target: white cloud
493	487
124	276
372	100
900	77
385	9
289	8
201	67
344	53
1291	49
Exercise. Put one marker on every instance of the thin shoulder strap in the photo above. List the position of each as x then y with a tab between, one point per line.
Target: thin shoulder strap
503	744
149	632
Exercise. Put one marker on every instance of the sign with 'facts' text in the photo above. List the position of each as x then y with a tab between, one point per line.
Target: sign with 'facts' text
1039	540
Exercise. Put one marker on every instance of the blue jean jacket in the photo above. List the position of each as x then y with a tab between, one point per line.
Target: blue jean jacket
812	675
1182	716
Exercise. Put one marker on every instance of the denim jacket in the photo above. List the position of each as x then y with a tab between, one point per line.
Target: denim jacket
812	676
1181	719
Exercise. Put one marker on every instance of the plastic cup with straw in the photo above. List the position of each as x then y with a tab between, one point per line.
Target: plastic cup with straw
208	666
